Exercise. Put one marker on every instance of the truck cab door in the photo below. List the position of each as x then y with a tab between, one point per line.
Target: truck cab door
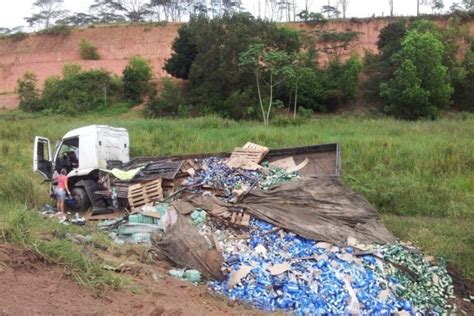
42	160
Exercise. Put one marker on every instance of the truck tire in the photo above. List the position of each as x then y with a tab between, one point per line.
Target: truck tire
82	200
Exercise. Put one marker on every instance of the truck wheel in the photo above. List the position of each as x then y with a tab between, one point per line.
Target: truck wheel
81	198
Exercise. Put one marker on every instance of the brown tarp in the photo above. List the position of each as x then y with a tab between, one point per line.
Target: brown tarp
183	245
320	209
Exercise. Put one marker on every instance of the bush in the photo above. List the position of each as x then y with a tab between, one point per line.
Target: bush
136	79
169	103
463	83
79	91
88	51
240	105
18	36
57	30
29	96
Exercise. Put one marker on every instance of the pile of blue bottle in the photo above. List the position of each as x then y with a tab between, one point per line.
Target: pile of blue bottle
321	279
215	173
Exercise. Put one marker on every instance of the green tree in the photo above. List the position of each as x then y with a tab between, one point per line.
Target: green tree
29	96
136	79
421	86
271	68
207	53
185	51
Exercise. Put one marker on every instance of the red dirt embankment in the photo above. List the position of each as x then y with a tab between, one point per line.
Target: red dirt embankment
45	55
31	287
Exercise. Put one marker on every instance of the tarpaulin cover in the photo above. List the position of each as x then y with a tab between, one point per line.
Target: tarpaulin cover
183	245
320	209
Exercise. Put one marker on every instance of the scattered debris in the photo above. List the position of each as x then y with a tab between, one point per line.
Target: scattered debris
269	231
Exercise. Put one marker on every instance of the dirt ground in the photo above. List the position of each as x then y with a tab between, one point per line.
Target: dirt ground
29	286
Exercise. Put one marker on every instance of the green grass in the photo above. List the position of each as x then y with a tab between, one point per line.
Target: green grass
26	228
416	173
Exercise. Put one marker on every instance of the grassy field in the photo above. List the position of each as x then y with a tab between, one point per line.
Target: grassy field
420	175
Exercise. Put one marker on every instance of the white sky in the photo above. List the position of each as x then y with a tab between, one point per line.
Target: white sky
13	12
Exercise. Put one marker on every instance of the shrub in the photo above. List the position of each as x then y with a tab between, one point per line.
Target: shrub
463	83
136	79
240	105
169	103
79	91
88	51
29	96
57	30
18	36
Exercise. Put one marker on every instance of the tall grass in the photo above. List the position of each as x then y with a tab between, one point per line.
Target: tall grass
20	226
423	168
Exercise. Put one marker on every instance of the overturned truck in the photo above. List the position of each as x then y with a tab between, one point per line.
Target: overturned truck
274	228
104	179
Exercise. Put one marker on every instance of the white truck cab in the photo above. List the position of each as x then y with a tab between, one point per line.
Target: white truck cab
82	152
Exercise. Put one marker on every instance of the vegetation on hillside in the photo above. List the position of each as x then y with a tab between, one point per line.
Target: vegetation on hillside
88	51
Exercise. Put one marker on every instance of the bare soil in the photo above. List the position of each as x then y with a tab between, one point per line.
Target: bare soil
29	286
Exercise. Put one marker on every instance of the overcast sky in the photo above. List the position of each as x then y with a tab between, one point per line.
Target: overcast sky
13	12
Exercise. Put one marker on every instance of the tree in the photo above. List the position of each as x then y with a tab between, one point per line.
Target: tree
29	95
185	52
136	79
421	86
331	12
390	3
271	68
207	53
107	11
437	5
344	4
134	10
49	11
78	19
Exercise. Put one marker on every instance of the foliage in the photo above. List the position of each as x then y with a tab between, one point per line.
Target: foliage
335	43
49	11
78	19
17	36
207	53
88	51
184	54
79	91
169	101
136	79
241	105
29	95
345	76
311	17
421	85
390	38
57	30
463	82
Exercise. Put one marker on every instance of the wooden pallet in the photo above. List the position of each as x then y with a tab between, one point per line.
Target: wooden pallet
236	219
144	193
251	152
